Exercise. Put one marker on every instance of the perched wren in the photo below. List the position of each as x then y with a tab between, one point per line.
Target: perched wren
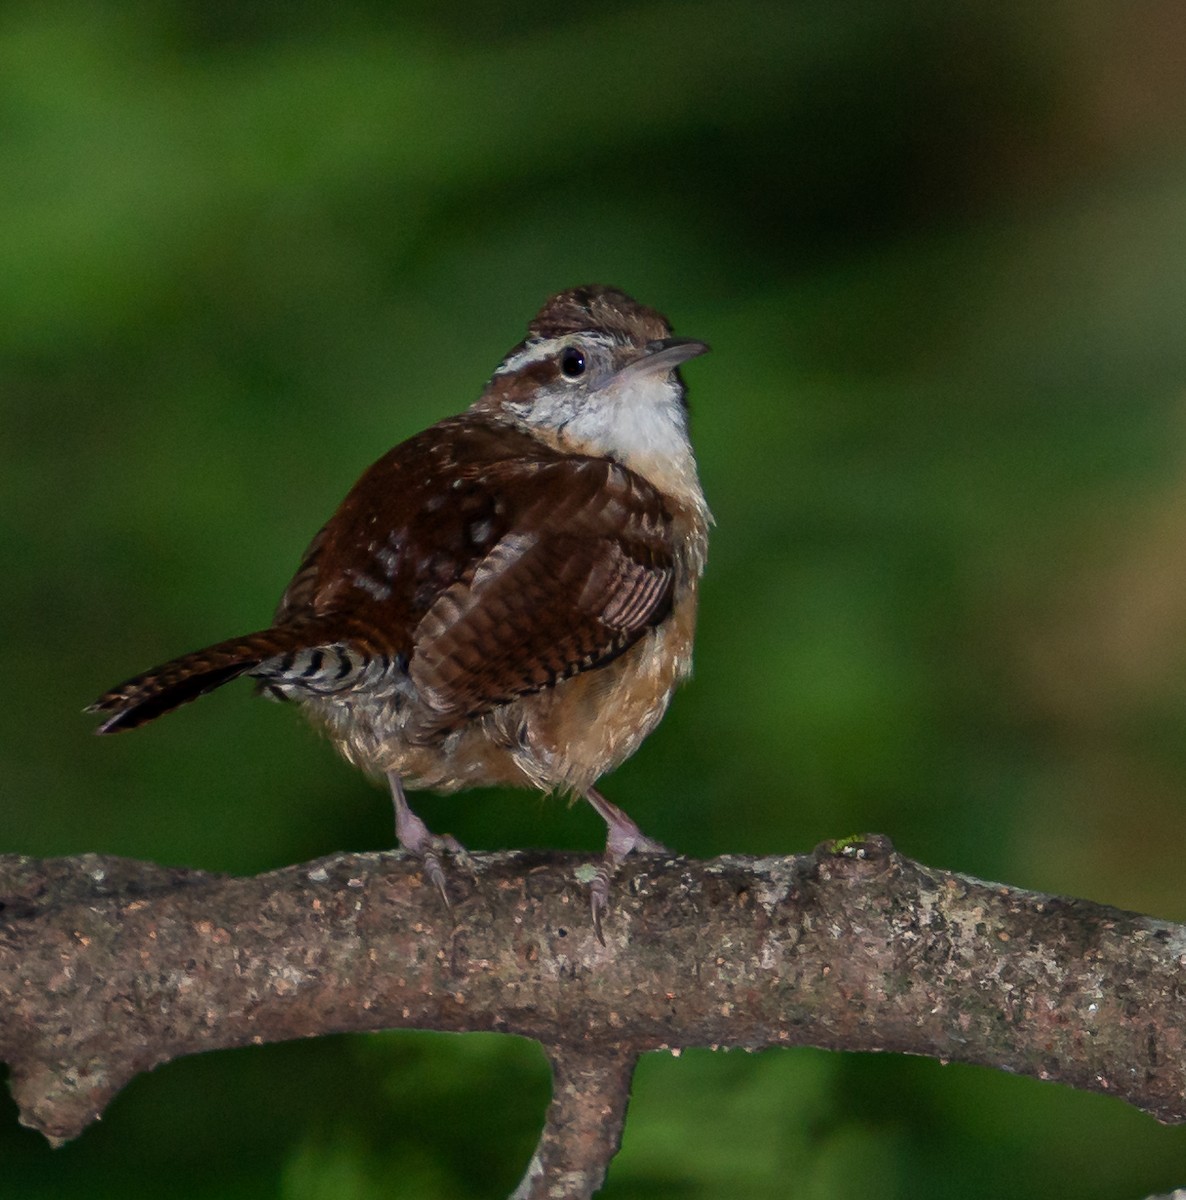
508	597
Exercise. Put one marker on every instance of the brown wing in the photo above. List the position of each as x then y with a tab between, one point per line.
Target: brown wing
417	521
488	565
301	592
582	572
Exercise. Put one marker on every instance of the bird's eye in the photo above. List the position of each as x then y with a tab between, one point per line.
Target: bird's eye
572	363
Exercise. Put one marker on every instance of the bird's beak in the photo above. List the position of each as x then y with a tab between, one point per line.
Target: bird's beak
661	356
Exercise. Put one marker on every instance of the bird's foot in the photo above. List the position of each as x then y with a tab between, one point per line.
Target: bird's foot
623	837
429	853
416	838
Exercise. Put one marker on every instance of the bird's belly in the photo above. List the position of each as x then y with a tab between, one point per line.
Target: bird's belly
564	737
595	721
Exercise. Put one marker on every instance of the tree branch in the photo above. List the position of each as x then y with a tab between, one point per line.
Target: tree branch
109	967
583	1130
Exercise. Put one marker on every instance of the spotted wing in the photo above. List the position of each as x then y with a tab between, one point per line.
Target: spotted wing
582	571
486	566
419	520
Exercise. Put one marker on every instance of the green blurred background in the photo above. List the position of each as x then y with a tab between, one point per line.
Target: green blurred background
939	250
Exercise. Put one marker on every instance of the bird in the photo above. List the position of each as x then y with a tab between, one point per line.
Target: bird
506	598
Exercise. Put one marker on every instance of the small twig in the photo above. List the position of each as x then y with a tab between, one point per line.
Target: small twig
583	1129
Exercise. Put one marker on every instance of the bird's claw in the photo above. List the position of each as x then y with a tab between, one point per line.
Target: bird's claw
599	896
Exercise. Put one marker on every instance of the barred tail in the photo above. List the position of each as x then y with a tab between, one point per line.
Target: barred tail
164	688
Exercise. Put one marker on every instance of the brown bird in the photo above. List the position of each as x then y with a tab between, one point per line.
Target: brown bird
508	597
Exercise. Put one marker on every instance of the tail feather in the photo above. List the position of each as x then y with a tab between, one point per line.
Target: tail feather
154	693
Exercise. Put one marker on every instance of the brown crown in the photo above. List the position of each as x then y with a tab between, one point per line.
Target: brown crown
597	307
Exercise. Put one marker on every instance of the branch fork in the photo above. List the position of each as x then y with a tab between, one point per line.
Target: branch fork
109	967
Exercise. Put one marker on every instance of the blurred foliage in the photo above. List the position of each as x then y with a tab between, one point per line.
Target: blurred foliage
940	252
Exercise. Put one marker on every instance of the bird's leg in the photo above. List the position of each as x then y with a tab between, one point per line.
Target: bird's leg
623	837
415	837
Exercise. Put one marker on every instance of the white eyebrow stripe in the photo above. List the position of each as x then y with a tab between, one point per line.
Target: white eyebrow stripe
538	349
531	352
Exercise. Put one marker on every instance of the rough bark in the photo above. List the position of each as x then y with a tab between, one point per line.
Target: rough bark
583	1130
109	967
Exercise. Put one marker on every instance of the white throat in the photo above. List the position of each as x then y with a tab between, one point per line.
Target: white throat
635	420
638	421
